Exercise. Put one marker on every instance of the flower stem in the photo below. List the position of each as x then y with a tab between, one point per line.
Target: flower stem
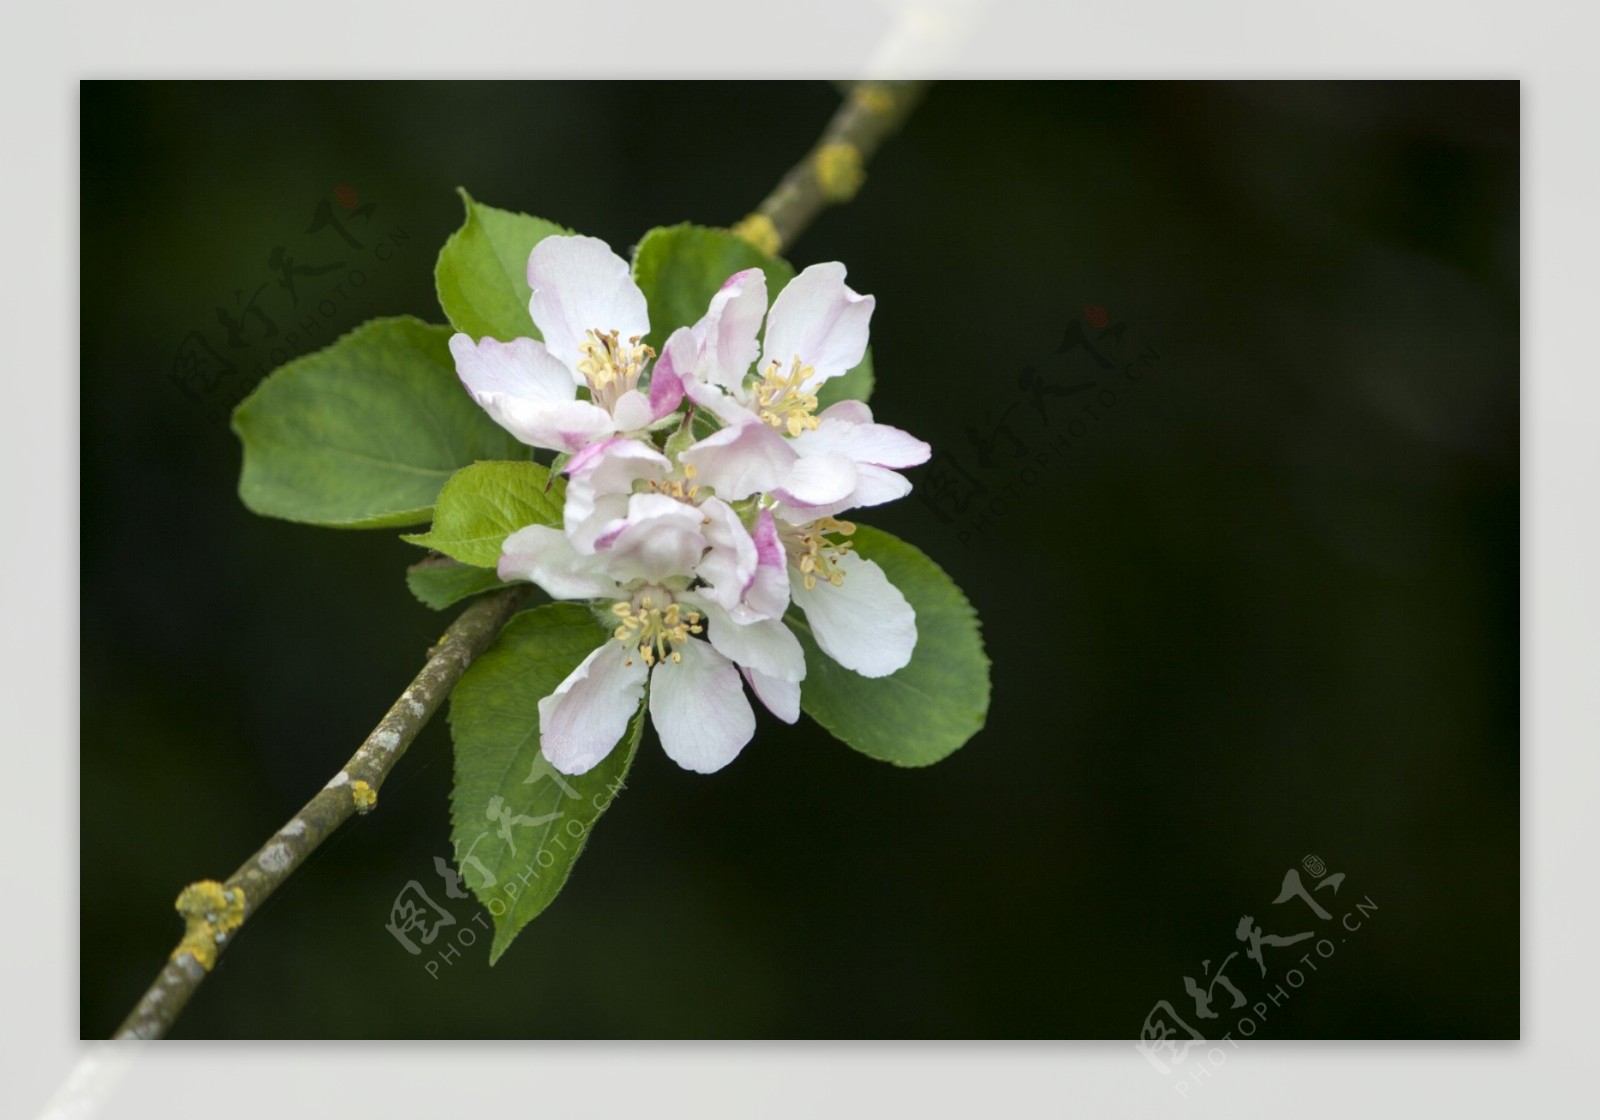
215	912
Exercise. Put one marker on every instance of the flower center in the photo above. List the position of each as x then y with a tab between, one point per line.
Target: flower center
818	554
684	489
612	366
654	630
782	403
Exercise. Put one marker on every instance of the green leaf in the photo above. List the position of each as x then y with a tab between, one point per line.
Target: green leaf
482	274
930	708
494	719
438	582
485	503
679	268
853	386
362	434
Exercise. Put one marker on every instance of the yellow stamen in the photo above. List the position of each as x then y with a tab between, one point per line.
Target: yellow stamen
820	555
610	365
653	631
683	489
781	400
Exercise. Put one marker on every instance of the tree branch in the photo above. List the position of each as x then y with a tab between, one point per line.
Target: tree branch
213	912
834	169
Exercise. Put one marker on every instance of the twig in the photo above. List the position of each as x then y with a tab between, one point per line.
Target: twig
213	912
834	169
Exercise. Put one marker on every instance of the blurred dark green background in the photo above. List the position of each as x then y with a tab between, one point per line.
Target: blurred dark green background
1264	605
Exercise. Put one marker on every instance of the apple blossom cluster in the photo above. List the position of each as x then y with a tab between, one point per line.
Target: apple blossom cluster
695	548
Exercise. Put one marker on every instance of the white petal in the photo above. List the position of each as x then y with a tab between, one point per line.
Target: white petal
851	411
528	393
580	285
817	480
588	713
729	565
781	698
768	645
877	444
739	461
522	369
698	707
660	538
874	487
566	427
632	411
864	624
818	319
732	410
543	555
727	333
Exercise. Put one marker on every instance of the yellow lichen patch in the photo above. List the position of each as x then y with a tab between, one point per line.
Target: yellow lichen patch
209	911
872	97
760	232
363	795
839	171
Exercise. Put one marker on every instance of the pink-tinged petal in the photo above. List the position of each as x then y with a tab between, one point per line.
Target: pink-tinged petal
542	554
698	707
767	645
729	565
769	550
864	624
818	319
527	392
600	482
768	593
740	461
662	538
877	444
816	481
780	697
580	285
666	378
727	334
588	713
